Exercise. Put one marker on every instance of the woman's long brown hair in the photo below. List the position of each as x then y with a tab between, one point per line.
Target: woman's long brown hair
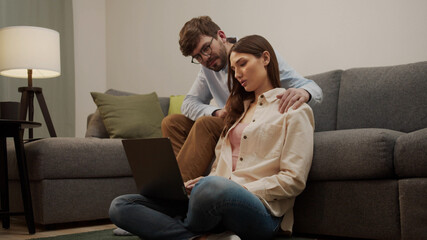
255	45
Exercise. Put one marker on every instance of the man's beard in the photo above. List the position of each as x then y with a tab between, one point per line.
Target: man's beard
222	60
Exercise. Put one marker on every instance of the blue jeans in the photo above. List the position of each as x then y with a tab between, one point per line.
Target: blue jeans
216	204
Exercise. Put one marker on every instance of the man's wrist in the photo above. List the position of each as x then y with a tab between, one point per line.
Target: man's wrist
213	113
309	96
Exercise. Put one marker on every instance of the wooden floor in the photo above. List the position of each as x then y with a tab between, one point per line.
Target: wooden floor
18	229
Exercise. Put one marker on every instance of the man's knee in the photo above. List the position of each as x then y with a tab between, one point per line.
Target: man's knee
176	122
208	123
173	119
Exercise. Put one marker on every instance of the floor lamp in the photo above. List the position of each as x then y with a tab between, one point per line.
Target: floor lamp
30	52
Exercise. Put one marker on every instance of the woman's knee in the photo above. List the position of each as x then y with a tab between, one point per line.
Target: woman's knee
115	207
118	205
212	186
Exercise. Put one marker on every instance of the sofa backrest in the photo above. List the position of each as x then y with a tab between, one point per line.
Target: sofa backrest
393	97
325	114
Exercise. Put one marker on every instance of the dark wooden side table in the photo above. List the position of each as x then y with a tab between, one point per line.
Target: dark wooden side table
15	129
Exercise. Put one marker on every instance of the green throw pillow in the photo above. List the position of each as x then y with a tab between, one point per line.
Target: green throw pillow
134	116
175	104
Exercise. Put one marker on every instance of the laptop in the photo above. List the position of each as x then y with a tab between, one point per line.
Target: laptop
155	169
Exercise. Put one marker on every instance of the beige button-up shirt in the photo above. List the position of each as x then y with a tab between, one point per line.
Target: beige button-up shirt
275	156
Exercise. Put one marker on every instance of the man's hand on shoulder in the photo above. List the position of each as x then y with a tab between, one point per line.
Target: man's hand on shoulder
220	113
292	97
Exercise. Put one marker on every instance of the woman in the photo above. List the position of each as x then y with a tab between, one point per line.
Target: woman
262	162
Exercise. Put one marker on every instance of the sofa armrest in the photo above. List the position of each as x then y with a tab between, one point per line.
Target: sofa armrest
72	158
411	154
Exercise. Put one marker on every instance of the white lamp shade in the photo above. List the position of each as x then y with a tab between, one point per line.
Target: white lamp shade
26	47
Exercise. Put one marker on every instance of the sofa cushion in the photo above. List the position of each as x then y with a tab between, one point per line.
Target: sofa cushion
67	158
410	154
71	200
384	97
96	127
413	207
164	101
135	116
353	154
175	104
325	114
349	209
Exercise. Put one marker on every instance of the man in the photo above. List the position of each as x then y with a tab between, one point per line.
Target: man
195	133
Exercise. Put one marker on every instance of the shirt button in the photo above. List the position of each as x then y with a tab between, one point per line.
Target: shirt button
241	159
262	96
253	120
244	137
260	104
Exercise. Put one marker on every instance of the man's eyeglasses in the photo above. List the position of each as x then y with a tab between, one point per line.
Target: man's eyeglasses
206	51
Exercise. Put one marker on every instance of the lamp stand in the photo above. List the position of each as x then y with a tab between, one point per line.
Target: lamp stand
27	102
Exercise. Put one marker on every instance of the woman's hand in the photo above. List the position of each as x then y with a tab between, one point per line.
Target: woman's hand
189	185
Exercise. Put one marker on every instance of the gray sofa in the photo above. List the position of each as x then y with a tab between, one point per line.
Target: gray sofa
368	178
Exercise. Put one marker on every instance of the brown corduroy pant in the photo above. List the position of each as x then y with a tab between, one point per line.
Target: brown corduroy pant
193	142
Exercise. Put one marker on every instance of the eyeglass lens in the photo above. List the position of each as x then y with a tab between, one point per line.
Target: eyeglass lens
206	51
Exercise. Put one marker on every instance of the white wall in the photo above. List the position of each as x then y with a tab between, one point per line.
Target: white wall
89	57
313	36
142	52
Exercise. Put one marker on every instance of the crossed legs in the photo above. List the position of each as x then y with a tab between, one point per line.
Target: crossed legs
215	203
